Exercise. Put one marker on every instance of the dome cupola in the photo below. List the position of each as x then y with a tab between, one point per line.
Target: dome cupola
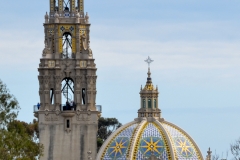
149	97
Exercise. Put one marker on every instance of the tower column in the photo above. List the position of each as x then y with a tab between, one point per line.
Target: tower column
52	6
73	10
60	7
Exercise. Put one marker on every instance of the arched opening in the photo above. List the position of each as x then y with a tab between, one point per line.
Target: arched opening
77	5
149	103
68	94
66	4
67	45
56	5
155	103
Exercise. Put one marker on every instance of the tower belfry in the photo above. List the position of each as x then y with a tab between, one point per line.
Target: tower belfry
68	114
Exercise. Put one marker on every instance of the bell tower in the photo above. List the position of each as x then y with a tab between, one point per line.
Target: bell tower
67	115
149	98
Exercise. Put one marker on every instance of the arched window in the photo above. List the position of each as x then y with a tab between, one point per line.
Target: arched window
155	103
66	4
67	45
149	103
68	94
144	103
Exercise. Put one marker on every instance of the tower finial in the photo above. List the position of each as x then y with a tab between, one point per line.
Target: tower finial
149	61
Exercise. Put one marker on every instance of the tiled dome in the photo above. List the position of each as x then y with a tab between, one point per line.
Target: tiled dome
139	140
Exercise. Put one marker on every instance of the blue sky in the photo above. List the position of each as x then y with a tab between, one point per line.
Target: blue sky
194	44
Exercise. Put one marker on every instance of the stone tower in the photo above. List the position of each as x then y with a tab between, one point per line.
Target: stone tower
68	115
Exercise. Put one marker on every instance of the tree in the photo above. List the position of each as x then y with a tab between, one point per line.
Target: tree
235	149
17	139
106	126
8	106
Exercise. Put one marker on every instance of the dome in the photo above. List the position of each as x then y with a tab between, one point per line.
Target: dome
149	137
140	140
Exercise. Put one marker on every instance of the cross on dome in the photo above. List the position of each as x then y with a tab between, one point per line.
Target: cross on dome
149	61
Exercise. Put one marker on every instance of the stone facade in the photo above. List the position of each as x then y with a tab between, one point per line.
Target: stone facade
67	56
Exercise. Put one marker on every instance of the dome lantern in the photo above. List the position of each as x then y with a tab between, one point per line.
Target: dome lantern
149	97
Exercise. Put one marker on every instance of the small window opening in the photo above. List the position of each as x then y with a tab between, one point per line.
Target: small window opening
149	103
52	96
83	96
68	123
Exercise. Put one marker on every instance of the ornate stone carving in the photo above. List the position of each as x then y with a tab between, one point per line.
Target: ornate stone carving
46	79
89	154
89	92
67	69
90	54
78	112
83	117
40	78
46	49
57	112
58	79
51	117
78	92
56	15
84	42
46	112
77	17
78	79
57	92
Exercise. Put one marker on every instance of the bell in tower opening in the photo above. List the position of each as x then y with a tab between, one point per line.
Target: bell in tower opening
68	114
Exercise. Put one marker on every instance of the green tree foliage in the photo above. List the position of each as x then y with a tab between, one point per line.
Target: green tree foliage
18	140
8	106
106	126
235	149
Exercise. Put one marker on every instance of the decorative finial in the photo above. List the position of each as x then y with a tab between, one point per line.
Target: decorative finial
149	61
46	17
87	18
209	154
